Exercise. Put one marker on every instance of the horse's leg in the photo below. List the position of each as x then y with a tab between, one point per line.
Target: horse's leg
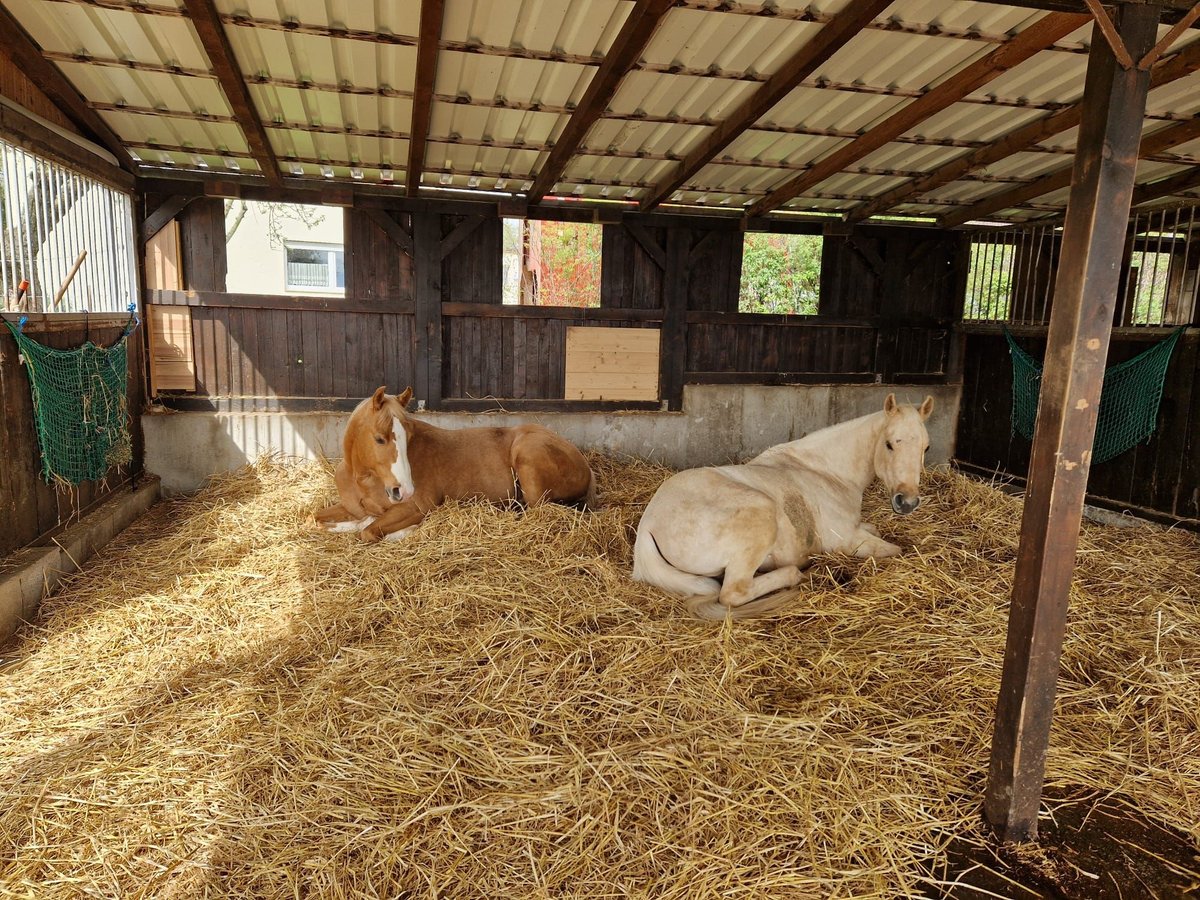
869	528
337	519
771	539
866	545
737	588
398	518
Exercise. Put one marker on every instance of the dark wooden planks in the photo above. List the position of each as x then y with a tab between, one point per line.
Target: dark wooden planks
472	269
630	275
1159	475
202	239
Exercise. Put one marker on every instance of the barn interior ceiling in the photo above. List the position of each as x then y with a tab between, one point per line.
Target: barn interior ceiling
944	110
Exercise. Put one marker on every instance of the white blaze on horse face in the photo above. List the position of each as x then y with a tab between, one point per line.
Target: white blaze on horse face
401	470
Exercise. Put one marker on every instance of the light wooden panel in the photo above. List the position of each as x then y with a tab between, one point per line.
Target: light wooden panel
612	363
164	271
172	362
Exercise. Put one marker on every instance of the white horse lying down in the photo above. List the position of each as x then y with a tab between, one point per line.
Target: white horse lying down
729	535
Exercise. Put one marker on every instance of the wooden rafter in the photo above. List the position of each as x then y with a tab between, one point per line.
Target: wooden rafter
632	39
1187	180
831	38
26	56
422	106
1030	41
1163	139
1178	66
211	32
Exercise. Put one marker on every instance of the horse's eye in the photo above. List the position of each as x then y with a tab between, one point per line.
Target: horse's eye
380	439
889	445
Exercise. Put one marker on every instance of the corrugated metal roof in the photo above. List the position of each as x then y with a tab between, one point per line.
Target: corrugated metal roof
333	83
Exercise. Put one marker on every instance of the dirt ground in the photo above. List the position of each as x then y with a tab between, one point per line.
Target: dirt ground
1090	847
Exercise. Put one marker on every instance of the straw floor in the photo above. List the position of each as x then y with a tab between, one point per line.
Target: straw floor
230	705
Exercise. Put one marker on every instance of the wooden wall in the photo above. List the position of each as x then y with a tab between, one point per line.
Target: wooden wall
17	86
33	508
887	306
1161	475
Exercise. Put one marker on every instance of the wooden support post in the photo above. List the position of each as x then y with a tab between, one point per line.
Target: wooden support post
427	260
673	353
1081	320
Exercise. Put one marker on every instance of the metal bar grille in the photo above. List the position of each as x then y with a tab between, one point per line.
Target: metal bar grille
48	216
1160	286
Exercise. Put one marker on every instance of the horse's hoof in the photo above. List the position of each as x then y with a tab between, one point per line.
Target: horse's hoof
370	535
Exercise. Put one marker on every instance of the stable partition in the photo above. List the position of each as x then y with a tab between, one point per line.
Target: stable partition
423	306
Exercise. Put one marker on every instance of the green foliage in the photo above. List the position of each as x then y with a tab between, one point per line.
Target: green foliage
989	282
1149	275
781	273
569	274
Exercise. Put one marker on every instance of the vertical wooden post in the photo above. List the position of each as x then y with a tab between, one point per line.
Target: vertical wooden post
673	352
1114	103
427	263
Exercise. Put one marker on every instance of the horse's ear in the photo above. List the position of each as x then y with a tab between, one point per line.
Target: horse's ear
889	405
926	408
378	397
404	398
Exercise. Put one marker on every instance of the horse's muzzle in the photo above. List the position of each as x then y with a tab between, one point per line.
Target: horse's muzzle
397	494
903	505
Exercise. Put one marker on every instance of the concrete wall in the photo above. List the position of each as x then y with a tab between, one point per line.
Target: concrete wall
719	424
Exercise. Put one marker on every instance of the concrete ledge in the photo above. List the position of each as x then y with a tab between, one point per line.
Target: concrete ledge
32	573
718	424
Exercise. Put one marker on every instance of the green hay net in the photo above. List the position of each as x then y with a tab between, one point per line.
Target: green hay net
79	406
1128	403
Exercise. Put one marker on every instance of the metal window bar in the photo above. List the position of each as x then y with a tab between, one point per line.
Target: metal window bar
48	215
1011	277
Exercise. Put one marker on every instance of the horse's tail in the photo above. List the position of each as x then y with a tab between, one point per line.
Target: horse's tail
707	606
650	567
591	500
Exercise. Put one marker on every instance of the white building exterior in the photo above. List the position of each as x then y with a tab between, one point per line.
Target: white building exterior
284	248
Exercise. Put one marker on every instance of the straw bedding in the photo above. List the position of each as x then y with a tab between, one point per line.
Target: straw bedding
230	705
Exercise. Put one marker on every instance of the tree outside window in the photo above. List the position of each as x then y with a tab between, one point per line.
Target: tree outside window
781	273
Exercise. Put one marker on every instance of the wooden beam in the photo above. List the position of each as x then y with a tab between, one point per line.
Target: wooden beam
422	105
51	142
1157	142
461	232
26	56
427	290
631	40
852	19
1178	66
672	359
1187	180
1165	42
646	242
392	229
167	210
207	22
1080	325
1029	42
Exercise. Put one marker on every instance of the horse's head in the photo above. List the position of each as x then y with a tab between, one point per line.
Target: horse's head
376	442
900	452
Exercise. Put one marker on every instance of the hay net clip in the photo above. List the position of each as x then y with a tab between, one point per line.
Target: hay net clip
79	404
1129	399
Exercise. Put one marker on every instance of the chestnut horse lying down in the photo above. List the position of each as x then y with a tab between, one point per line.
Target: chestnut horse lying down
395	468
727	536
